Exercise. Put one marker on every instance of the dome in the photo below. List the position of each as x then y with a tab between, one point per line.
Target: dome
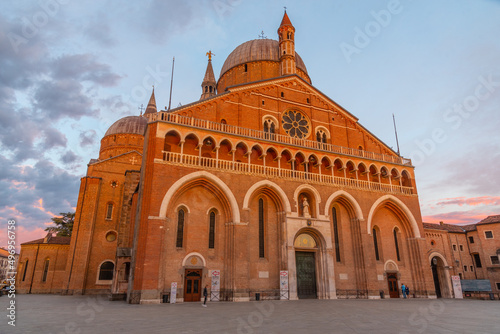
256	50
129	124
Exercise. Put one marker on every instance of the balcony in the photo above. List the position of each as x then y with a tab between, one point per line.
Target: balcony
193	161
271	137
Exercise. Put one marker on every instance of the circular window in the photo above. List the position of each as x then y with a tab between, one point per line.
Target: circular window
110	236
295	124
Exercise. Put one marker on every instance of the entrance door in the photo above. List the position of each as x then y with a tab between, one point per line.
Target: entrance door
306	275
393	286
435	275
192	285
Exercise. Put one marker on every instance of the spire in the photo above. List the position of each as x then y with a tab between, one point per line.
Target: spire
286	33
286	20
208	85
151	108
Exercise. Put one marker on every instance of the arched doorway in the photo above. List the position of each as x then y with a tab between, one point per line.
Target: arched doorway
305	261
193	265
435	265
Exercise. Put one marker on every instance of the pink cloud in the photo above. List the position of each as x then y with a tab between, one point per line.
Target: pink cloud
473	201
457	217
22	235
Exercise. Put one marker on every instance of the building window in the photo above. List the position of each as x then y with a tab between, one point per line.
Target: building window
471	240
295	124
465	268
180	228
336	234
269	126
460	274
246	67
471	268
283	94
106	271
25	269
488	234
396	244
375	244
494	259
45	270
498	286
261	227
461	248
477	259
454	247
109	211
321	136
211	232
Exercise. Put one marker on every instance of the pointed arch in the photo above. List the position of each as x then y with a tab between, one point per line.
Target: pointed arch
272	185
397	204
349	198
199	175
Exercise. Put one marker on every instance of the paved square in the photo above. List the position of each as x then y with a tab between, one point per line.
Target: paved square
91	314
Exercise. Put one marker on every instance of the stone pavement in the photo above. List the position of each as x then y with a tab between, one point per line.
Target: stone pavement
53	314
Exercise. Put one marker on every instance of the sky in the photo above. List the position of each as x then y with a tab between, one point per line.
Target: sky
69	69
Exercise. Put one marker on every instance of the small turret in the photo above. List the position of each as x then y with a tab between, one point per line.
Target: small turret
208	85
286	33
151	108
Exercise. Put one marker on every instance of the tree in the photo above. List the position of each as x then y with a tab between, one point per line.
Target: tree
64	224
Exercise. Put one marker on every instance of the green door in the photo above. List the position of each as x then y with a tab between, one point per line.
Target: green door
306	275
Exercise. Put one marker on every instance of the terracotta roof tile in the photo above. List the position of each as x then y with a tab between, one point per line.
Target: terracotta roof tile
490	220
52	241
444	227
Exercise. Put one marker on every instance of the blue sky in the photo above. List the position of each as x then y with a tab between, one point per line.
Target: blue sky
69	69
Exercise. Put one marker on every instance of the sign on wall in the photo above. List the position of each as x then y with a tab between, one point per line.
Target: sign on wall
215	286
457	287
173	292
284	284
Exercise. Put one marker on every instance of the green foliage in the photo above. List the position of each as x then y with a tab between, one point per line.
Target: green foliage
64	224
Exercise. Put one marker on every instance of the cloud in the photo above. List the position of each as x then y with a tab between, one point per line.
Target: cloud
474	201
457	217
83	67
88	138
69	157
99	31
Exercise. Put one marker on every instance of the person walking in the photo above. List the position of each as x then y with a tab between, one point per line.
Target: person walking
407	289
403	290
205	294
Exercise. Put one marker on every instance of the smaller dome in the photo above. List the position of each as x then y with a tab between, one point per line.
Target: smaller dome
130	124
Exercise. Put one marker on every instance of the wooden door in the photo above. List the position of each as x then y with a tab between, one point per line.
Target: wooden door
306	275
192	285
393	286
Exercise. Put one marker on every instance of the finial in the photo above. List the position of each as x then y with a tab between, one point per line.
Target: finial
285	9
262	35
141	108
210	54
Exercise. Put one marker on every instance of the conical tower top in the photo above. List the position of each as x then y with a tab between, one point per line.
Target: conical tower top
286	21
209	83
151	108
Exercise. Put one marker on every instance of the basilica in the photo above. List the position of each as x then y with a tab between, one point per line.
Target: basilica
264	188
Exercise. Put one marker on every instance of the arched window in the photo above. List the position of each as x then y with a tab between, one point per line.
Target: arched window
211	232
180	228
336	234
396	244
375	244
321	136
25	269
45	270
261	227
109	211
106	271
246	67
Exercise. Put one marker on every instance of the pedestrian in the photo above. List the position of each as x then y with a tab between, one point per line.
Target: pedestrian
408	291
205	294
403	289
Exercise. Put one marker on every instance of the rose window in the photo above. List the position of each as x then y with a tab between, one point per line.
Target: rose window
295	124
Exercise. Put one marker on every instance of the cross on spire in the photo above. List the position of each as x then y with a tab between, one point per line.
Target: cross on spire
262	35
141	108
285	9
